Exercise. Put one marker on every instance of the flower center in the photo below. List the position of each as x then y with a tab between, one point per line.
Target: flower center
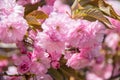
10	28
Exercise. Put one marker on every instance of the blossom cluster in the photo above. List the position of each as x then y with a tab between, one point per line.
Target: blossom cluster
77	41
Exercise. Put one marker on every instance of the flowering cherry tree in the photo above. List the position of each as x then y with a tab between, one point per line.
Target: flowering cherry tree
59	39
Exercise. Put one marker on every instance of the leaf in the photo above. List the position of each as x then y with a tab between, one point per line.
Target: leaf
93	13
38	14
33	17
76	5
107	9
32	20
88	2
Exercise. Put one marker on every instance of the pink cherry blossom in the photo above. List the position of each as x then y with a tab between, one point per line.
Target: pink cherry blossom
24	2
81	59
112	40
58	27
49	43
46	9
38	68
55	64
82	34
41	56
55	57
13	30
23	63
87	34
53	49
77	62
9	7
50	2
24	67
87	37
59	6
101	71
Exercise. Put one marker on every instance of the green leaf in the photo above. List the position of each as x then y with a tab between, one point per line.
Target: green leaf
93	13
107	9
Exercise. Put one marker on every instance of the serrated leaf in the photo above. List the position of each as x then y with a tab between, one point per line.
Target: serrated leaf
38	14
107	9
32	20
76	5
92	12
33	17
